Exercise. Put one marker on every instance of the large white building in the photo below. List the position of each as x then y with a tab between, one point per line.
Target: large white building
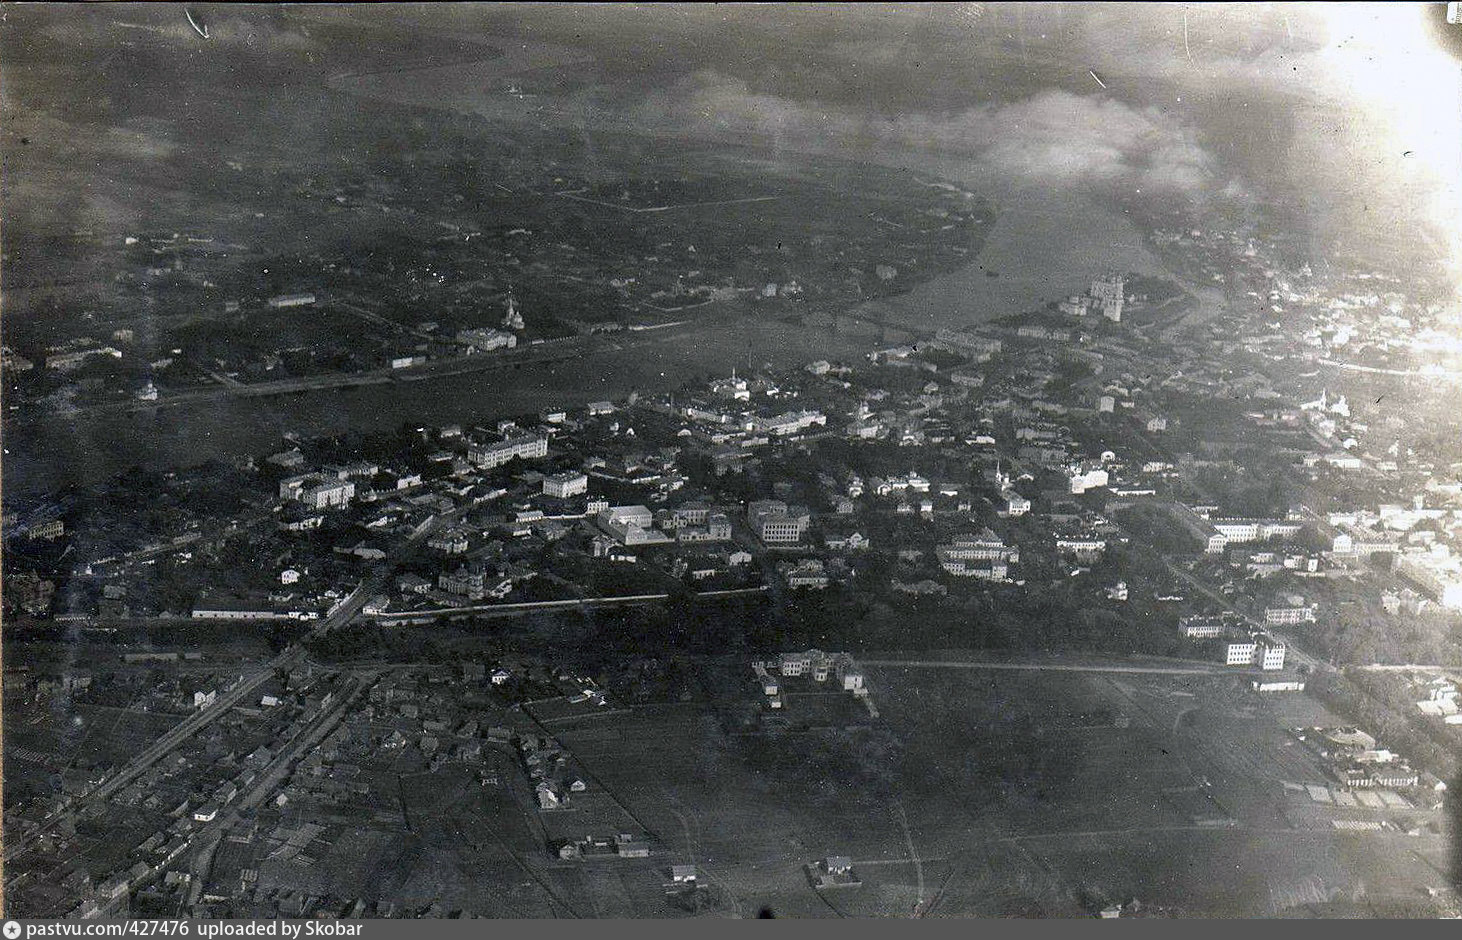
1201	627
986	546
716	529
820	666
1237	531
631	525
497	453
993	570
1287	616
566	484
1015	504
983	556
1084	548
331	494
486	339
1438	571
627	515
1109	293
789	423
776	523
1086	478
1260	650
316	491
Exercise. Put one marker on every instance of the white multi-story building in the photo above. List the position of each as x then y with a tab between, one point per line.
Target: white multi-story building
631	525
987	546
1199	627
985	557
1286	616
1086	478
566	484
796	664
627	515
789	423
717	528
992	570
1109	292
1241	653
317	493
1260	650
1436	570
495	454
1015	504
1273	656
692	513
849	674
1087	548
776	523
820	666
1237	531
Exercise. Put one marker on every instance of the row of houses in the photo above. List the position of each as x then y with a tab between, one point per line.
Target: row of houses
813	663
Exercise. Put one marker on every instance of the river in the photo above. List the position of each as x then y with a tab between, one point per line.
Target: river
1044	244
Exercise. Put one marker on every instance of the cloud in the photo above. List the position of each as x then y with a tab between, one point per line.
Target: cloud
253	31
1053	136
138	139
1322	112
1339	107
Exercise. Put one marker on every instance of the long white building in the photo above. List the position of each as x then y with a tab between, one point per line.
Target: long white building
497	453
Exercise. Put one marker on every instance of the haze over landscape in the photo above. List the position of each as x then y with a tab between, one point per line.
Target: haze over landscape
1275	107
473	394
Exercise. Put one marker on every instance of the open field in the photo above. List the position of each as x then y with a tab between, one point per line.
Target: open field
1008	794
976	791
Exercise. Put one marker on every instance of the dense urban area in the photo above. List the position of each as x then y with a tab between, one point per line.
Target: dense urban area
276	646
1146	602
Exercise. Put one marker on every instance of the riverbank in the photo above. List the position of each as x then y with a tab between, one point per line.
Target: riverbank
1044	243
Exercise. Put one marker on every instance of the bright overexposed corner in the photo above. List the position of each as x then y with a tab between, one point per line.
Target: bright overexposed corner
1386	54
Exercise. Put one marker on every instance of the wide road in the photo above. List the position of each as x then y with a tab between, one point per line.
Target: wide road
1197	669
528	607
310	735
